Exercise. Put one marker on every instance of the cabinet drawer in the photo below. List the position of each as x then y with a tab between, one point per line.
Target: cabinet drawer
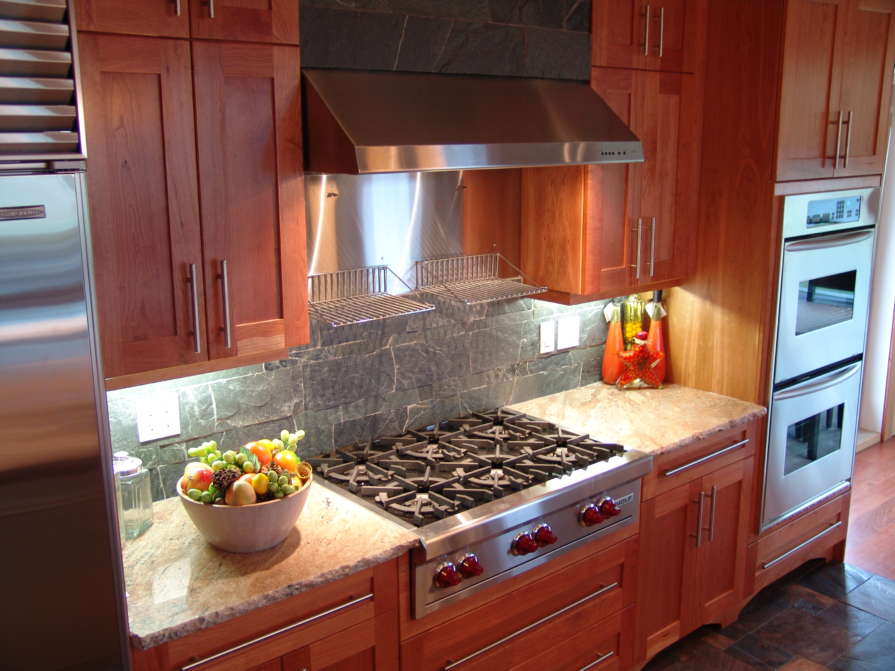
604	646
812	535
532	617
700	458
276	630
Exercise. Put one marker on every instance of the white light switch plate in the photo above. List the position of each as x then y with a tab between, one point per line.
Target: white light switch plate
568	331
548	336
158	416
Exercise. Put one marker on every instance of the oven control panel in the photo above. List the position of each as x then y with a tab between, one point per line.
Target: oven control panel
487	561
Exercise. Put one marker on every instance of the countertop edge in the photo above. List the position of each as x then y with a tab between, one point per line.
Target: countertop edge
156	638
760	411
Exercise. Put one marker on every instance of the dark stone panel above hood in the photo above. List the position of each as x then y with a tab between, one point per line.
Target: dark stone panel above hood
521	38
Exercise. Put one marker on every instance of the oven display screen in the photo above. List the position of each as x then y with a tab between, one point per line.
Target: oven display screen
834	211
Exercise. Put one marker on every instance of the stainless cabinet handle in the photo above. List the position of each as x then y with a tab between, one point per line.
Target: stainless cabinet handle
700	501
519	632
838	141
210	4
639	253
661	31
714	496
652	249
646	32
847	140
225	291
177	7
702	460
598	660
194	301
798	547
281	630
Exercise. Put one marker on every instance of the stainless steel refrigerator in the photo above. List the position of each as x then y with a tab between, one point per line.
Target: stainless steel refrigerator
62	603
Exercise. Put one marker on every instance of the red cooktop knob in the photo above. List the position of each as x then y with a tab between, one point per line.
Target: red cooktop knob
524	544
590	515
447	575
470	566
608	507
544	535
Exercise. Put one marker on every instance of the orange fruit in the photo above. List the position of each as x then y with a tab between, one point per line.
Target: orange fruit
259	450
287	459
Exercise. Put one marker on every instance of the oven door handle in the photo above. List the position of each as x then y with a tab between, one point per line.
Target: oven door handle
827	241
813	386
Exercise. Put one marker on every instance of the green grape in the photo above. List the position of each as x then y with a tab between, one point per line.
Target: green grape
283	480
278	494
218	465
287	489
193	452
240	459
299	435
284	435
194	494
277	443
229	456
273	487
207	497
213	444
248	466
202	450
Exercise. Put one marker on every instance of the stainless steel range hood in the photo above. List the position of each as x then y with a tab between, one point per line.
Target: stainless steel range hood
360	122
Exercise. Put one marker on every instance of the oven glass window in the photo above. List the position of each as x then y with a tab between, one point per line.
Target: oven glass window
814	438
825	301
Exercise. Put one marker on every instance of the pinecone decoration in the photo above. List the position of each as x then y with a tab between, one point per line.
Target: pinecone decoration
223	479
279	470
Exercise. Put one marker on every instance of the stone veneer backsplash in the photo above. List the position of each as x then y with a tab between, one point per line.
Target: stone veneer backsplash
358	382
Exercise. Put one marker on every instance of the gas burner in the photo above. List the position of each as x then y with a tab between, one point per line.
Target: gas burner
439	470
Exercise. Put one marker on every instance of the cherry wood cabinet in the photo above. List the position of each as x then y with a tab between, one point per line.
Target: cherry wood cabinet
163	294
695	526
267	21
274	21
161	18
835	89
648	34
606	230
143	192
348	625
252	194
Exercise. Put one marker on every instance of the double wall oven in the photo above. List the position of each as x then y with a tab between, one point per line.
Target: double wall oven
825	270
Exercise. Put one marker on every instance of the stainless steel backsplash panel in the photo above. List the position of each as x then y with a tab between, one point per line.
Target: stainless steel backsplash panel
392	219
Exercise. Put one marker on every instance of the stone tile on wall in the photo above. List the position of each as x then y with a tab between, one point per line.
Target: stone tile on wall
349	39
557	54
492	348
342	381
565	14
422	44
483	48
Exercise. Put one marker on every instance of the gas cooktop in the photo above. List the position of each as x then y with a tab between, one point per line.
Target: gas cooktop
489	494
425	475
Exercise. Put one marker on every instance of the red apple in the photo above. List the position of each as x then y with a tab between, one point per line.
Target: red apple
196	476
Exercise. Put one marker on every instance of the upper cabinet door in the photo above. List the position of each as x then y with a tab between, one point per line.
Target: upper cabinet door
865	62
662	35
141	181
249	143
163	18
658	123
810	131
274	21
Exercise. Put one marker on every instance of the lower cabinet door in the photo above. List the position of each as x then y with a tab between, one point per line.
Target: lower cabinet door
353	649
722	565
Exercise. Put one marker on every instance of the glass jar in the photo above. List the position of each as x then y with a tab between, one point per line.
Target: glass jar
132	480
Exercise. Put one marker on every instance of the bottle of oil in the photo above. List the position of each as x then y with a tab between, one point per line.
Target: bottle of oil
632	318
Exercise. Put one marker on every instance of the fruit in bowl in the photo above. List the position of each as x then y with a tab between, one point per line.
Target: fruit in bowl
243	502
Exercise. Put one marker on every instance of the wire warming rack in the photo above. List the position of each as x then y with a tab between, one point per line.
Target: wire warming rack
472	279
356	296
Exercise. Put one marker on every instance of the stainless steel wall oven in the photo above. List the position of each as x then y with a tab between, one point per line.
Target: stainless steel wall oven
825	270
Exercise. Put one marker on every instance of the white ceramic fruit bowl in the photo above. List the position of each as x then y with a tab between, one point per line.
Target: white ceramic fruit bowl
251	528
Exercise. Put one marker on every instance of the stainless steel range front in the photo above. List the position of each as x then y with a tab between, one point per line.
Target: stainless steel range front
491	495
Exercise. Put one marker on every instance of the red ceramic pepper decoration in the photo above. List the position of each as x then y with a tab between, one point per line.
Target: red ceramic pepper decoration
655	340
639	365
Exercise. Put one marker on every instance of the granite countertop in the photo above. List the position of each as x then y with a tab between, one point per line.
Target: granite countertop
178	584
650	420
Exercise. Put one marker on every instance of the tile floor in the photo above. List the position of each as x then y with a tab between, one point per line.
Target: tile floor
822	617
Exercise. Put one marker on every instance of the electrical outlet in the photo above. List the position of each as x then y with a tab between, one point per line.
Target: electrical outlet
568	331
158	416
548	336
